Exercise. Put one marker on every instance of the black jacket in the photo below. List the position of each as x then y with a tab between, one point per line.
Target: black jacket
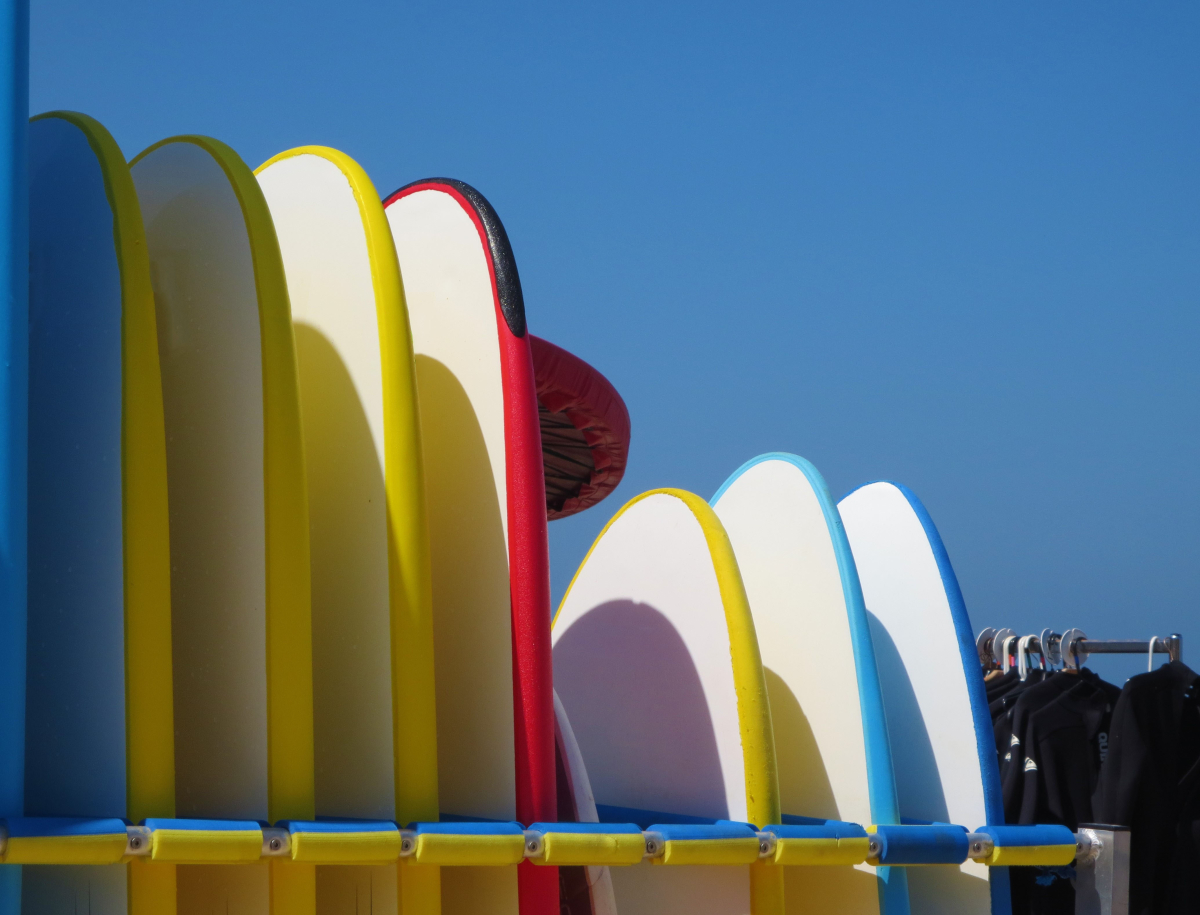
1065	743
1059	729
1151	783
1023	704
1001	707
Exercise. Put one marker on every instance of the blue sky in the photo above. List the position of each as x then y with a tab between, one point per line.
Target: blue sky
951	245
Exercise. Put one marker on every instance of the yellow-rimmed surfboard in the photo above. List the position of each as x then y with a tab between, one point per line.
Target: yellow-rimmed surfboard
657	664
238	513
375	734
99	730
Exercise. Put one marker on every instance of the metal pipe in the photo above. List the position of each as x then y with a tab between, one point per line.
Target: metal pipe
1053	646
1122	646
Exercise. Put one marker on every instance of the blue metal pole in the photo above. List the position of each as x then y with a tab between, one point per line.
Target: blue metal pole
14	411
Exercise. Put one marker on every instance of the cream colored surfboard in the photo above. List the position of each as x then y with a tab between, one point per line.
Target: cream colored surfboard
238	514
831	739
99	732
375	727
486	503
942	737
657	664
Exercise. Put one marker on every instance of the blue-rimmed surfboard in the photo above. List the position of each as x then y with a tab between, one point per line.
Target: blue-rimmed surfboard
831	739
238	513
657	664
375	732
99	732
942	741
486	502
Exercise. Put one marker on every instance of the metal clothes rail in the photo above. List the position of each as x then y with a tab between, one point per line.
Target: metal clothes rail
998	648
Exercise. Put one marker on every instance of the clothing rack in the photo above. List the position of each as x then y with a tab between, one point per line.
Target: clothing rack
1069	649
1102	866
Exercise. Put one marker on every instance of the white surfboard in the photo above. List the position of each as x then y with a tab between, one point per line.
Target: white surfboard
831	739
99	568
486	500
942	740
583	890
375	725
656	662
238	513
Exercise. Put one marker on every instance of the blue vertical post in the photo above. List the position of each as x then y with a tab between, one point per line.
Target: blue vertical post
14	412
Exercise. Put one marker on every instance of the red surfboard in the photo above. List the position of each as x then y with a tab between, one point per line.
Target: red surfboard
486	498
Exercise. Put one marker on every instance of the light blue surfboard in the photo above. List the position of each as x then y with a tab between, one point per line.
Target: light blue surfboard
827	708
942	741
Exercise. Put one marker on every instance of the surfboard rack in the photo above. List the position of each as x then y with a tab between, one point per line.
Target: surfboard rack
996	846
1003	846
612	844
910	845
472	844
63	840
830	843
723	842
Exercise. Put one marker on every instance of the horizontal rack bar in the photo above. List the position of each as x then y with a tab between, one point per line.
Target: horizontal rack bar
1123	646
1070	648
65	840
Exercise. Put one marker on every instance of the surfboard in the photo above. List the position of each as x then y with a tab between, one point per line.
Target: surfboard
238	512
657	664
99	730
375	732
831	738
486	503
584	890
14	401
942	740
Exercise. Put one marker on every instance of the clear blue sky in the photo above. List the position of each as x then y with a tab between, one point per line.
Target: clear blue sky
954	245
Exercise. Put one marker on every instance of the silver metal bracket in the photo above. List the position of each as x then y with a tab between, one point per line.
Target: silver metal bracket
766	844
655	844
534	847
874	847
408	843
277	843
138	842
1087	847
1175	646
979	846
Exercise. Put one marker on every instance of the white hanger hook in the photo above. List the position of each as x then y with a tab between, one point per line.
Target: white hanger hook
1150	659
1007	666
1023	655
